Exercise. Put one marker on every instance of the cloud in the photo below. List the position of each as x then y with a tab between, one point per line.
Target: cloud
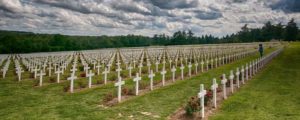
286	5
172	4
12	6
145	17
208	15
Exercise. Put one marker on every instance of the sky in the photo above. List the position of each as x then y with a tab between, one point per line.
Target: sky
143	17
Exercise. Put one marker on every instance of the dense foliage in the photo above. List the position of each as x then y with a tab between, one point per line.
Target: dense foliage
24	42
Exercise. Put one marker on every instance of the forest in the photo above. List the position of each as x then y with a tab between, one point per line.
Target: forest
26	42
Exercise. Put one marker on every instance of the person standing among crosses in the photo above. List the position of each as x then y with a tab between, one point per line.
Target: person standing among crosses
261	50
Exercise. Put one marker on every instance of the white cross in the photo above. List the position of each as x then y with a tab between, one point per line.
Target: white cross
250	70
19	72
44	66
140	68
86	69
202	63
136	80
149	67
190	69
134	62
247	71
130	68
90	75
151	75
118	64
201	96
224	81
243	74
94	65
108	65
207	62
196	67
237	77
72	78
41	74
50	69
173	70
164	64
58	74
98	69
216	64
35	71
181	68
73	70
212	63
105	72
156	66
119	71
231	77
55	64
214	87
170	63
163	73
119	85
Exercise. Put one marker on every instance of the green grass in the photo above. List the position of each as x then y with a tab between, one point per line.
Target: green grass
23	101
272	95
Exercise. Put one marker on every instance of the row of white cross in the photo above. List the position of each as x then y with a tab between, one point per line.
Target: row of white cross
118	70
34	65
105	72
5	67
151	76
245	74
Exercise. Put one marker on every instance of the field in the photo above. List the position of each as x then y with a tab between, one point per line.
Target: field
272	95
274	89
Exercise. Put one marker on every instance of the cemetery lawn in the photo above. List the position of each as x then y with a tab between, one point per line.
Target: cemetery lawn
23	101
274	94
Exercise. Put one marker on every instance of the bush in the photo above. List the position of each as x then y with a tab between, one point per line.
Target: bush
219	89
36	82
81	68
99	81
131	91
66	87
82	84
192	106
128	91
31	75
228	83
124	74
108	97
155	82
113	77
142	85
125	91
52	79
208	97
82	75
144	70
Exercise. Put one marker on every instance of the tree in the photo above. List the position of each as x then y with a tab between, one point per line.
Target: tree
278	31
267	31
291	31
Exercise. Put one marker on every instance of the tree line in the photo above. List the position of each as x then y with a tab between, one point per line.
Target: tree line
25	42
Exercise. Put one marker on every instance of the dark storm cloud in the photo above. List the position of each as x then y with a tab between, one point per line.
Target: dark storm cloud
141	7
67	4
172	4
7	9
287	5
208	15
